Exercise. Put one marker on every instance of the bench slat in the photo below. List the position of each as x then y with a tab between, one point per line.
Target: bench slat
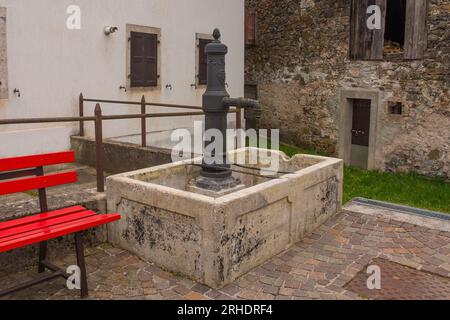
39	217
14	233
58	231
40	160
27	184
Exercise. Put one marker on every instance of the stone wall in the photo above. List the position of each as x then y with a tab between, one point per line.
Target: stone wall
119	157
301	62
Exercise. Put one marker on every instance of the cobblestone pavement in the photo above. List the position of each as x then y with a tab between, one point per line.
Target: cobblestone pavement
317	268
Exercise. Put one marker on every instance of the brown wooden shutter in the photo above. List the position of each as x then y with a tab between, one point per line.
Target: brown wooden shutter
144	59
202	62
416	29
366	44
151	60
250	29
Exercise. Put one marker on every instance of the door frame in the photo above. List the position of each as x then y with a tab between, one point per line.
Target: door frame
346	121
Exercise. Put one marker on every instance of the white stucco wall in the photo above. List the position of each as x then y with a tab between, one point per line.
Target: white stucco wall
51	65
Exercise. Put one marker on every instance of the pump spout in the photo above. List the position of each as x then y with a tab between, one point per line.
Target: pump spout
241	103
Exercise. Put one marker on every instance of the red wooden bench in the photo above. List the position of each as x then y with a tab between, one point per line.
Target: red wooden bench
24	174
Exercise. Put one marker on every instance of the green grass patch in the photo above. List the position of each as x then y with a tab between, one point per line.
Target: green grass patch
401	188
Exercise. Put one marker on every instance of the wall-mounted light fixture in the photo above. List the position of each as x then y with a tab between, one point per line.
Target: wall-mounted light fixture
17	92
110	30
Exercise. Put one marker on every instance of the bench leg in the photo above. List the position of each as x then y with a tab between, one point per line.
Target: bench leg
42	256
81	264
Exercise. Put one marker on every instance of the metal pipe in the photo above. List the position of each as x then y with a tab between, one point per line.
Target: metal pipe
154	115
239	118
168	105
143	123
81	108
238	128
45	120
112	101
112	117
240	103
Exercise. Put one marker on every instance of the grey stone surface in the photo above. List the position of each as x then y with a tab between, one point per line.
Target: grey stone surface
119	156
216	240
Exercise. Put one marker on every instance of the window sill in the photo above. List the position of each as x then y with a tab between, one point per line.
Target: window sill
389	58
132	89
395	57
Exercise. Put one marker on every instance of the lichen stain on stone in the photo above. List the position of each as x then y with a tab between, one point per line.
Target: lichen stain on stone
139	230
197	262
219	265
328	197
159	229
126	234
163	235
135	230
244	243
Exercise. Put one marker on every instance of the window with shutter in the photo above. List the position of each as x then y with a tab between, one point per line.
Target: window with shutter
143	59
202	61
416	29
394	34
3	57
250	29
403	30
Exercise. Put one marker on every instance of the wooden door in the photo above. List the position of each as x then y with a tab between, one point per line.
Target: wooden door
361	122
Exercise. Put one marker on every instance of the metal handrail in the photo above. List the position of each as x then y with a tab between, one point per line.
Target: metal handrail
143	103
112	117
166	105
98	120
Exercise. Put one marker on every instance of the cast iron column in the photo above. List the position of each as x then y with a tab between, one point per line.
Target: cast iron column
216	171
216	174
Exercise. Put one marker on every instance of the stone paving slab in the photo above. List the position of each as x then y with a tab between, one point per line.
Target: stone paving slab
317	268
399	282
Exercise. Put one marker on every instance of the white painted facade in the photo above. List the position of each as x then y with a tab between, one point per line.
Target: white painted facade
51	65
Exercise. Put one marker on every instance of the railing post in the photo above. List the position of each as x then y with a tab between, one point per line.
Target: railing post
238	118
238	127
81	106
99	149
143	123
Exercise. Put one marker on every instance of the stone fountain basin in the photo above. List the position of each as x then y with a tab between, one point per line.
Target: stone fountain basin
214	240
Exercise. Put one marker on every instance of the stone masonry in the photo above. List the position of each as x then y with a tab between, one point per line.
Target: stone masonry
301	61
